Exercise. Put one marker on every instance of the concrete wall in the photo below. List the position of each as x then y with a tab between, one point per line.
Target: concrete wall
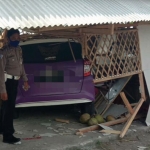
144	37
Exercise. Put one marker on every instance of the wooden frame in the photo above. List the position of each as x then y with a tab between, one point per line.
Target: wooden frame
113	55
132	115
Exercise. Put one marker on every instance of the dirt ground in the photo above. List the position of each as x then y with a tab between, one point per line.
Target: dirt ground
130	142
33	122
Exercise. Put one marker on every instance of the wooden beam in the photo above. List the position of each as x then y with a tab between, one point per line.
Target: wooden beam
30	30
96	81
110	123
96	127
142	89
95	31
112	28
61	33
58	28
102	26
126	30
131	118
126	102
61	120
125	25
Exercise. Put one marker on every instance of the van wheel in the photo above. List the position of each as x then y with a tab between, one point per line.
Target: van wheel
88	108
16	114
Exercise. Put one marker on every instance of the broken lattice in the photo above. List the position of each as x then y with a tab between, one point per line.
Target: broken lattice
113	56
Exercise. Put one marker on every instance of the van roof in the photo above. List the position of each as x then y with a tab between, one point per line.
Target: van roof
35	41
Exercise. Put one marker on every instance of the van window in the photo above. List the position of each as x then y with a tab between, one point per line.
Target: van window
51	52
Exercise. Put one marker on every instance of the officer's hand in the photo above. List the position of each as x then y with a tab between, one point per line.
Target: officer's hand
26	86
3	96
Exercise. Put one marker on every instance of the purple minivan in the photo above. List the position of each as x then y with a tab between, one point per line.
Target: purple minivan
56	73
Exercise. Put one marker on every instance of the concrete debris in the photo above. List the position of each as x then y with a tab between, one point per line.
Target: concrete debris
18	132
45	143
48	134
68	131
134	130
35	130
50	128
59	125
55	130
93	131
105	134
82	136
142	148
61	129
46	124
36	135
72	129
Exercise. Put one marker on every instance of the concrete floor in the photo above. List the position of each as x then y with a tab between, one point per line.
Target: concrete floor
54	135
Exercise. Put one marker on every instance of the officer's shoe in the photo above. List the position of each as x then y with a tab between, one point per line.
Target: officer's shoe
12	140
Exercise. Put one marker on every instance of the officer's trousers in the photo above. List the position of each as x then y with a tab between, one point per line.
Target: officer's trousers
8	107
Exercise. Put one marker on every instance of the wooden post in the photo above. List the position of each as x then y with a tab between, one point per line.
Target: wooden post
126	102
138	106
110	123
131	118
83	45
96	127
142	89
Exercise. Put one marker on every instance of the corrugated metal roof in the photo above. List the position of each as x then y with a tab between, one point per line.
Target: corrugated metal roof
40	13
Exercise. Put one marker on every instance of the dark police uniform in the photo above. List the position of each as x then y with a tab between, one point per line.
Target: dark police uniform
11	70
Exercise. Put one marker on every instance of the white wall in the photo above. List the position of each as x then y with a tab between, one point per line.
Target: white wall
144	37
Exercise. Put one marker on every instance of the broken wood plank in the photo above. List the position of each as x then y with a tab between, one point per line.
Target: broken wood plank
110	123
96	81
62	120
96	127
79	133
126	102
131	118
110	131
142	89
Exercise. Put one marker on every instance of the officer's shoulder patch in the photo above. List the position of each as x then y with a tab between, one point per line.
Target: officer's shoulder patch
1	56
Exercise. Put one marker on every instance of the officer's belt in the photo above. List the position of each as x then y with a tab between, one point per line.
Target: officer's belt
7	76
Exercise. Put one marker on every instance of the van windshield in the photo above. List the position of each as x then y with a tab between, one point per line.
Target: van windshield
51	52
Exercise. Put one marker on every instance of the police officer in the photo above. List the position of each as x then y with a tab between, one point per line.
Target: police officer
11	70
